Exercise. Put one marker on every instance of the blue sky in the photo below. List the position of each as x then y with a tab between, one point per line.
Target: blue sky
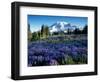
36	21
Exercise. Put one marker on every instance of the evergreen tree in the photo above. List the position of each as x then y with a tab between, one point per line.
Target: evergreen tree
85	29
29	33
44	31
39	34
68	31
29	28
77	31
35	36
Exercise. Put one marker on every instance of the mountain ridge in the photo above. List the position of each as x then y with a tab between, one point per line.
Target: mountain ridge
62	26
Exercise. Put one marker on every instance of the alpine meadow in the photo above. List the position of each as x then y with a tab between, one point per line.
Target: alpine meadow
57	40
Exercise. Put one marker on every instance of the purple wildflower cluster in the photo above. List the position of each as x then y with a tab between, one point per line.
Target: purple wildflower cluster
44	53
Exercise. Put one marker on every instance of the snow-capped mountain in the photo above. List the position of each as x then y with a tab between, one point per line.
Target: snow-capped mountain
62	26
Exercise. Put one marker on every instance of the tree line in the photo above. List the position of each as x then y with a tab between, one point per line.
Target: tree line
78	31
44	32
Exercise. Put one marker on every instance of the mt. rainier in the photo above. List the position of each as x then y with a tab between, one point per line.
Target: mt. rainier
62	26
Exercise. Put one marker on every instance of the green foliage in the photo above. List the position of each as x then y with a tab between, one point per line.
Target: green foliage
68	31
85	29
45	31
35	36
42	30
55	33
29	33
69	60
77	31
